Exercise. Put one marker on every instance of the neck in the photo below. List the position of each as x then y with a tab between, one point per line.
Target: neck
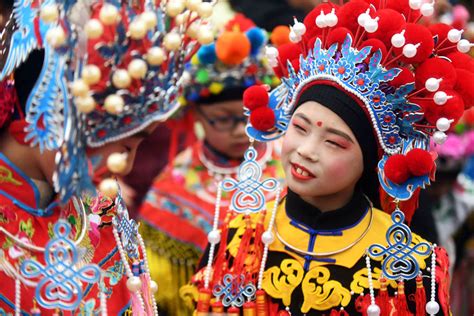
330	202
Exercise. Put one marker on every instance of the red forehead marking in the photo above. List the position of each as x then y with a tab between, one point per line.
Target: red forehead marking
319	123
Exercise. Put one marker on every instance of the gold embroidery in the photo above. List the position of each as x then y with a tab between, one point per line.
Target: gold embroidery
322	294
6	176
361	281
281	282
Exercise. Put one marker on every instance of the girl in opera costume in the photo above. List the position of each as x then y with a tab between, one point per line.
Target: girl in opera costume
82	85
363	89
177	213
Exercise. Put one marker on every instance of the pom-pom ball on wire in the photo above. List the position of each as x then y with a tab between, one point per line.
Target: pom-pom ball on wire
280	35
232	47
254	97
403	7
460	60
419	161
396	169
337	35
452	109
262	118
464	86
440	30
309	21
390	22
438	68
417	34
349	13
286	52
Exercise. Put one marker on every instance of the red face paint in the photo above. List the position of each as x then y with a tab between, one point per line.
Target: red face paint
319	123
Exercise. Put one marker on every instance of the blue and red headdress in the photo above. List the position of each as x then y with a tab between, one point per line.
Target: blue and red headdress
406	77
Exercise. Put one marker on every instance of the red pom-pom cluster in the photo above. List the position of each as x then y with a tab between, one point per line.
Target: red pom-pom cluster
255	100
399	168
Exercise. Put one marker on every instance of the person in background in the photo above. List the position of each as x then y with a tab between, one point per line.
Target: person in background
177	213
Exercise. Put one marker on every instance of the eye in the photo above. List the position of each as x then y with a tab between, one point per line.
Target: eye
335	144
299	126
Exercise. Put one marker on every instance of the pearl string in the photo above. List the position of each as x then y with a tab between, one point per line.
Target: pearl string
268	238
373	309
17	297
213	237
147	270
103	303
432	307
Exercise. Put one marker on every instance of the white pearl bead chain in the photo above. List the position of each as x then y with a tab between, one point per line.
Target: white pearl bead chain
432	307
17	297
103	303
268	240
373	309
147	270
212	236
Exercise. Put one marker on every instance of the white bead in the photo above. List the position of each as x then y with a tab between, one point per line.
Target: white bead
204	10
398	40
415	4
440	98
373	310
443	124
109	188
173	8
321	20
432	307
331	18
155	56
137	29
149	18
134	284
271	52
432	84
91	74
93	29
114	104
121	79
49	13
153	286
172	41
214	237
273	63
137	69
427	9
85	104
117	162
56	36
454	35
464	46
79	88
440	137
294	38
409	50
193	5
205	35
299	28
371	25
363	18
108	14
267	237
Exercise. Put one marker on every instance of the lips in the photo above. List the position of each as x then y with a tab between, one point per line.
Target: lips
301	173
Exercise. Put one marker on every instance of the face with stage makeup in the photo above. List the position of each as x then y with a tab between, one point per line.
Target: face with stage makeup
321	157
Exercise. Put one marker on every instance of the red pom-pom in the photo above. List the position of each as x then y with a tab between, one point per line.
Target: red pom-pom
419	162
254	97
396	169
464	86
462	61
262	118
390	22
376	45
404	77
452	109
349	12
286	52
468	116
417	34
337	35
241	22
403	7
441	30
438	68
310	19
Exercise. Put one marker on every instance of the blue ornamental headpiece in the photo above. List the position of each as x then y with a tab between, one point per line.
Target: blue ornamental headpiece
110	70
394	69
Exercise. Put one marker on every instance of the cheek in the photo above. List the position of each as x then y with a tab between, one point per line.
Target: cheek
347	167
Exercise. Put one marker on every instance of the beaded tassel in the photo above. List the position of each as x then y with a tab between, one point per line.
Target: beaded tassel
420	297
382	298
432	307
233	311
204	300
373	309
218	308
261	303
250	309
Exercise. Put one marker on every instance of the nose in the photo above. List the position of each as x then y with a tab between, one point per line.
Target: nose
308	150
239	129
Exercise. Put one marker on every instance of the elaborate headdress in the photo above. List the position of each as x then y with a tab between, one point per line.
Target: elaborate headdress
109	71
409	79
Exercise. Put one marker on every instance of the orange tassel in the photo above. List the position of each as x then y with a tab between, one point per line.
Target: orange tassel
239	262
233	311
220	265
362	303
402	307
204	300
442	278
382	298
420	297
261	303
250	309
218	308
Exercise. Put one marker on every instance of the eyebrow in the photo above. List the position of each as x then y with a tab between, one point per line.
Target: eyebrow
328	129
